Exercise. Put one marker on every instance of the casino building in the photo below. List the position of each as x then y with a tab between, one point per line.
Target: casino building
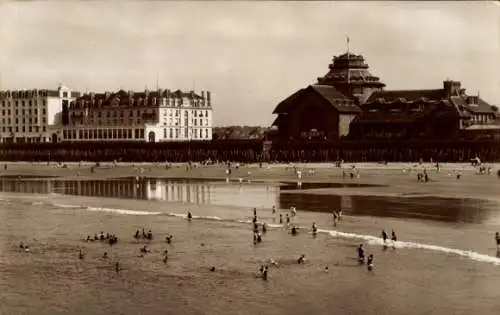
326	109
349	102
33	116
149	116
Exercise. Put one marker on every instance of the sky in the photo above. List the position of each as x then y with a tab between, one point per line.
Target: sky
250	55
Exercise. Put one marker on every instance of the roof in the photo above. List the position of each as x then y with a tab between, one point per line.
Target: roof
124	98
284	105
404	116
480	108
407	95
335	98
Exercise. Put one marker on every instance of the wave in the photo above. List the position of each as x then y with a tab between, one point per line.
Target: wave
59	205
121	211
373	240
370	239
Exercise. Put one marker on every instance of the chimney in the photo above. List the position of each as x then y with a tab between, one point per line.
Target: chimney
451	88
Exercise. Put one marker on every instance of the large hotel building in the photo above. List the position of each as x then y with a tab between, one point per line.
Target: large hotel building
31	116
66	116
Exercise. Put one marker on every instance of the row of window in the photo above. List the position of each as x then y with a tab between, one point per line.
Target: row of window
92	134
168	133
24	129
23	112
132	113
24	121
143	102
23	103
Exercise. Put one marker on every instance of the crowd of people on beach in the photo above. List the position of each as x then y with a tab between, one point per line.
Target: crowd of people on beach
261	228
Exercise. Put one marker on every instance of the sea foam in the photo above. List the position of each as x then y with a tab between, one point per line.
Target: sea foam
370	239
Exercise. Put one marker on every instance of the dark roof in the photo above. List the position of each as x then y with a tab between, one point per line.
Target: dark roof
481	107
284	105
336	99
408	95
387	116
124	98
327	92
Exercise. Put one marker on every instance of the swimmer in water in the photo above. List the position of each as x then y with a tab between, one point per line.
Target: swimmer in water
384	236
264	227
81	255
314	228
294	230
361	254
274	209
264	273
301	259
189	216
369	262
255	212
117	267
497	239
274	262
168	238
105	255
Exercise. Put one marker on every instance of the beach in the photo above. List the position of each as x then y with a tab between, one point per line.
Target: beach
439	265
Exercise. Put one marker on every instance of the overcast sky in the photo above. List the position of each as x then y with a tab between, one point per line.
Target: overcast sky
250	55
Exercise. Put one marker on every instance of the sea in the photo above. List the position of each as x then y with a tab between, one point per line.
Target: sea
444	262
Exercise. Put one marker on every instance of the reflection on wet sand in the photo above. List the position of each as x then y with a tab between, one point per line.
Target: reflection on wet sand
263	195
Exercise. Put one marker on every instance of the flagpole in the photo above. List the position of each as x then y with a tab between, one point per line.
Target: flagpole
348	72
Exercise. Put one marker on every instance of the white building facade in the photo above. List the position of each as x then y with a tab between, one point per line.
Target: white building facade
149	116
33	116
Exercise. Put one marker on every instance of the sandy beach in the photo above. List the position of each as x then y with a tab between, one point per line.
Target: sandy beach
393	179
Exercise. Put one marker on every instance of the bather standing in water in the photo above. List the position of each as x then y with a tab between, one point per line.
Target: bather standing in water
497	239
361	253
274	209
384	237
394	239
314	228
281	218
189	216
369	262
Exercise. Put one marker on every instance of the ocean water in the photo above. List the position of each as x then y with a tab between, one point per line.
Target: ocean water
445	261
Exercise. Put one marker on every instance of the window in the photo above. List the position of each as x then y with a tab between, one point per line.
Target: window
165	133
201	133
171	132
206	133
65	94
